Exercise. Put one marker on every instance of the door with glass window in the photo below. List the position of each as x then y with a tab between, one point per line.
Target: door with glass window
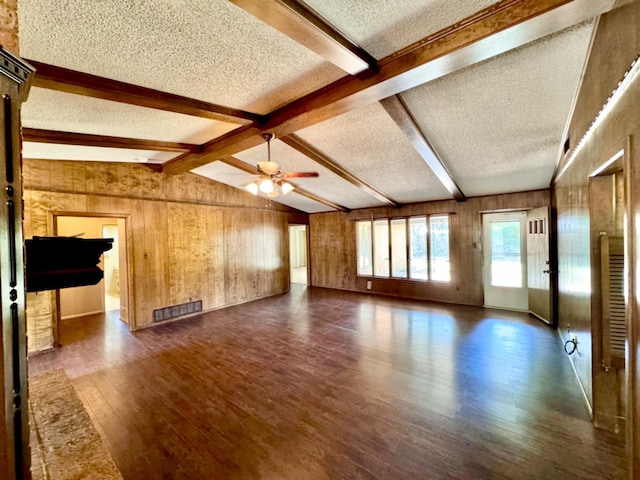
505	260
539	264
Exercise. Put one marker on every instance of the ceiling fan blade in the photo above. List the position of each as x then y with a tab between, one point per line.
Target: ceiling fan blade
299	174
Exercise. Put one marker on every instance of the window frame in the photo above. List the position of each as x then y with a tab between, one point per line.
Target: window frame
359	249
407	248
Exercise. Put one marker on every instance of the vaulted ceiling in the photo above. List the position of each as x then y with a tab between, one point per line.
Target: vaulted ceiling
391	102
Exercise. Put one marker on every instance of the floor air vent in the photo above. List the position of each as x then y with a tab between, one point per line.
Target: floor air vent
167	313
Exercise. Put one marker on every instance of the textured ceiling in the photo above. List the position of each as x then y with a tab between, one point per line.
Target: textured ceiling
329	184
237	178
497	125
368	143
205	49
384	27
72	152
51	110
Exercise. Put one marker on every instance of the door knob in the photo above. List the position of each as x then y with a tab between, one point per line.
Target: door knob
546	271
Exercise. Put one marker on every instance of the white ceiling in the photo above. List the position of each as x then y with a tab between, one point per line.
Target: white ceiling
74	113
384	27
373	147
497	125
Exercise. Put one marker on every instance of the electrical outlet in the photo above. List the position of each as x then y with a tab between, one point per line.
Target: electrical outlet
368	284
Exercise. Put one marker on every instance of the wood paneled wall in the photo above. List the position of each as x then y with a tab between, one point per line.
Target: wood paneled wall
333	247
190	238
616	45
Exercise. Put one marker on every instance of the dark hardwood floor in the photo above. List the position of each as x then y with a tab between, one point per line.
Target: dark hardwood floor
322	384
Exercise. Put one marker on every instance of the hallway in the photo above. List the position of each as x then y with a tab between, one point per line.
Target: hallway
325	384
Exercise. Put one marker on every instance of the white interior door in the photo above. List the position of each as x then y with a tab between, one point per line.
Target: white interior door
505	260
538	264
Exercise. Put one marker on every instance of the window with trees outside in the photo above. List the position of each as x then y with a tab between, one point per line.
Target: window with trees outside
415	248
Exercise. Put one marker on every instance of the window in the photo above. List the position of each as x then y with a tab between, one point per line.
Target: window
439	258
381	248
363	247
416	248
399	247
506	264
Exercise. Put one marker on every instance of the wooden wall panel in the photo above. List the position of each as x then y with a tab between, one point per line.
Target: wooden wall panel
215	252
230	228
175	237
190	241
616	45
281	269
333	247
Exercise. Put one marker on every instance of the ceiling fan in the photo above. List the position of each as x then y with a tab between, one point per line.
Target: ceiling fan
271	176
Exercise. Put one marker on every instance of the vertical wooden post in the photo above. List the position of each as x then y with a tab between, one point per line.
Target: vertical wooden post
15	79
632	252
9	40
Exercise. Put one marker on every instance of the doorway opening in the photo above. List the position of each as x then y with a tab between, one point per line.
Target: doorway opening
609	309
111	264
110	296
505	260
298	255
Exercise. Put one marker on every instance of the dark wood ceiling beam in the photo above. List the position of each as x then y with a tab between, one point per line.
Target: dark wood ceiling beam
79	83
70	138
235	141
317	156
495	30
402	116
245	167
502	27
302	24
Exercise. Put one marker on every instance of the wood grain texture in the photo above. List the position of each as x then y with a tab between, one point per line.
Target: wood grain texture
36	135
320	158
504	26
632	374
79	83
180	248
325	384
615	46
333	243
302	24
402	116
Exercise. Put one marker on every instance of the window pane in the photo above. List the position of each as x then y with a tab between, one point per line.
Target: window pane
399	248
439	258
365	259
506	264
381	248
418	247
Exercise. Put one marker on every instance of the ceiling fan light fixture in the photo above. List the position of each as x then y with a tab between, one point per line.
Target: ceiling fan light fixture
287	188
252	187
270	182
266	186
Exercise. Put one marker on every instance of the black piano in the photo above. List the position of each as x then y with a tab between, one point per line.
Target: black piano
63	262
